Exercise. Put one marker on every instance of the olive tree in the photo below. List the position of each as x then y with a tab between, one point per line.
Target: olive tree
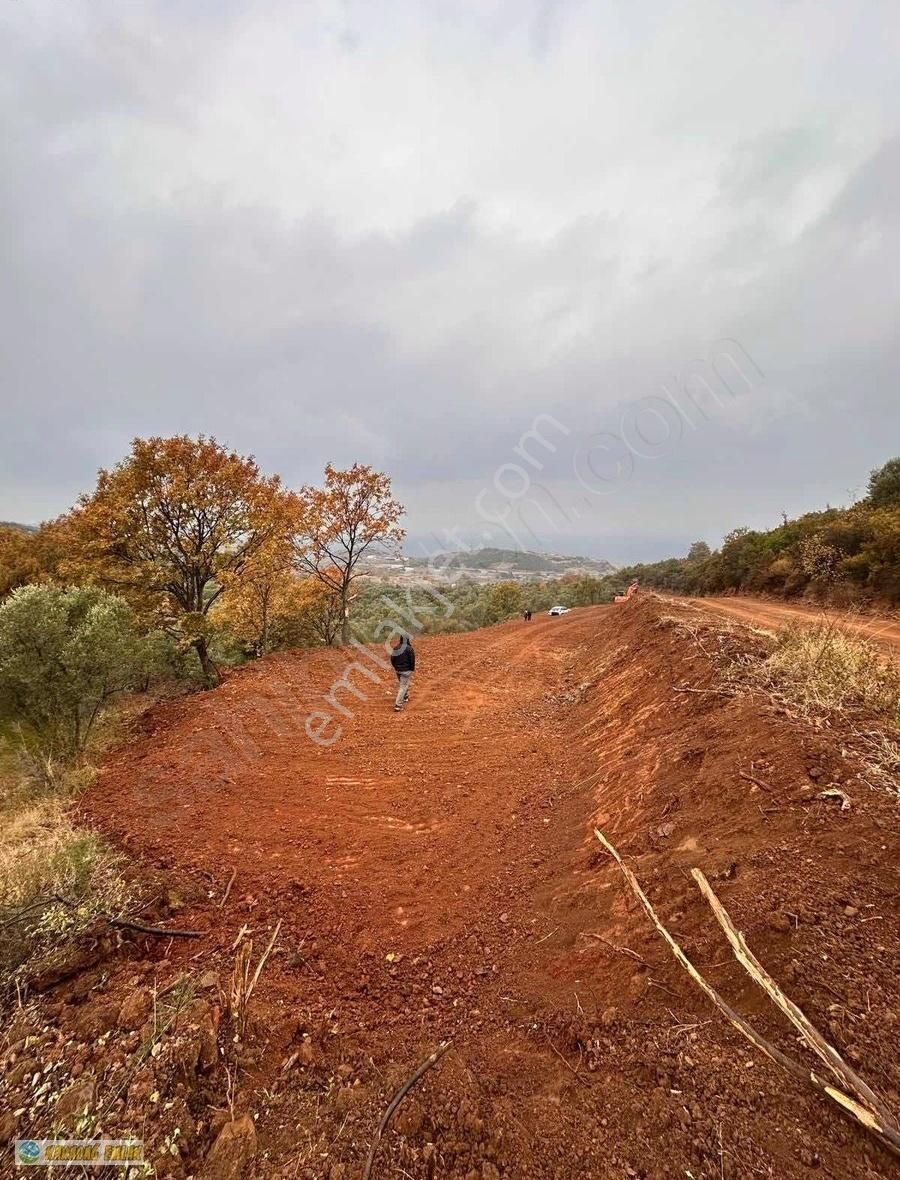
65	652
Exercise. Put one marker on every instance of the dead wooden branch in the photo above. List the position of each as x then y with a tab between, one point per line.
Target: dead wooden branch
571	1068
244	930
118	923
227	889
397	1099
814	1039
886	1132
237	991
262	961
156	931
21	914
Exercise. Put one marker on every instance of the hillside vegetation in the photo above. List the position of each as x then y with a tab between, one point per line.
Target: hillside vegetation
839	555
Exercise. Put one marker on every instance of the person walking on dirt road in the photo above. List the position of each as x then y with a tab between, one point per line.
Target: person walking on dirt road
403	659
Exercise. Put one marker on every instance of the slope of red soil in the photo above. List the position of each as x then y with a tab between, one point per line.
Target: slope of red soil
436	878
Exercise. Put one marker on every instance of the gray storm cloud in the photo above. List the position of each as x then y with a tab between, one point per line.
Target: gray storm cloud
398	232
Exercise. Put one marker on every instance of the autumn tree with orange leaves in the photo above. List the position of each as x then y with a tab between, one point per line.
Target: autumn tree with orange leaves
317	612
283	610
340	522
172	528
27	557
261	590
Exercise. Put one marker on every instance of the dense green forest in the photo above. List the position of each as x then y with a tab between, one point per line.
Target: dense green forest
840	555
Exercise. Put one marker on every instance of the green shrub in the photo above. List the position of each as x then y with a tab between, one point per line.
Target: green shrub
64	654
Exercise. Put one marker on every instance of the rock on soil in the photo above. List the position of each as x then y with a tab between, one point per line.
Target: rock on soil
135	1010
232	1153
75	1102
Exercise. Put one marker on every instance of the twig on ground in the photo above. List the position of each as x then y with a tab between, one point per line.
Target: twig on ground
713	692
244	930
23	913
397	1099
662	987
262	961
886	1132
227	889
156	931
757	782
571	1068
614	946
237	991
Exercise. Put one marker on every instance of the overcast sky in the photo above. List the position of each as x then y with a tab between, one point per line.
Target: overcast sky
398	232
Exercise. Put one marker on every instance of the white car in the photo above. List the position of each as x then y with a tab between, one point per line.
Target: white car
558	610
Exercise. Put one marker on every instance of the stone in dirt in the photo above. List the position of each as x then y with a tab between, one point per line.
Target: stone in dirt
230	1156
97	1018
76	1101
135	1010
203	1025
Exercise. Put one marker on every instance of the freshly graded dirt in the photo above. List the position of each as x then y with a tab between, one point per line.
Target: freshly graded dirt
883	630
436	878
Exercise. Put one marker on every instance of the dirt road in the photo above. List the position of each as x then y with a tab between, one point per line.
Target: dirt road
435	878
881	630
380	823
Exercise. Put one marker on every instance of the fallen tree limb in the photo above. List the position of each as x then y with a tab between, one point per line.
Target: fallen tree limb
23	913
814	1039
156	931
397	1099
886	1132
119	923
571	1068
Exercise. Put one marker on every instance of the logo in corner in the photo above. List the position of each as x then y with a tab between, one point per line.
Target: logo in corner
28	1152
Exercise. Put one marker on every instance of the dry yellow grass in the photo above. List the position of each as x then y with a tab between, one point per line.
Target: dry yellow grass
822	674
824	669
826	676
44	857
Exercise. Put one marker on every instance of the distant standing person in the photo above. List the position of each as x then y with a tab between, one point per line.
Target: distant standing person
403	660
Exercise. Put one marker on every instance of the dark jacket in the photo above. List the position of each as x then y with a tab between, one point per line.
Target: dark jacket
403	657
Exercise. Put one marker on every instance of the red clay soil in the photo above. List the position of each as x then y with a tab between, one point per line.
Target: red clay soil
883	630
436	878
